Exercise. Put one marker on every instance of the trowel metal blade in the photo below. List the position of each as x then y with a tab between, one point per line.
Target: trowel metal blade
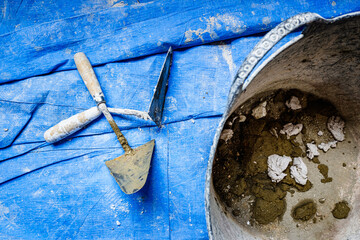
131	170
157	102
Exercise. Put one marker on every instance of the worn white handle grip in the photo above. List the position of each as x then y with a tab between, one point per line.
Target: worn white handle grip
88	75
71	125
74	123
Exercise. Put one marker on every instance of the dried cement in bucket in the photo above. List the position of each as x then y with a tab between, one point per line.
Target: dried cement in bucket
282	168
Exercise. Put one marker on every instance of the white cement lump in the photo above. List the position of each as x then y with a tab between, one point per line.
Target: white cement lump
299	171
226	134
259	111
336	127
276	165
293	103
291	129
326	146
312	150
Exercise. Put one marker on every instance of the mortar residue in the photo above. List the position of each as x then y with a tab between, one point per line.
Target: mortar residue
324	170
304	211
341	210
240	170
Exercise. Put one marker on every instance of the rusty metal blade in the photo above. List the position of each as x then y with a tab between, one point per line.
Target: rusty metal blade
157	102
131	169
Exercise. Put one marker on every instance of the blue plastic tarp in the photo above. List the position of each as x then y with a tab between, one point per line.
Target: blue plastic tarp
64	190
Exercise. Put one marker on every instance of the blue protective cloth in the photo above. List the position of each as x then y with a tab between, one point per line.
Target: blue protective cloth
64	190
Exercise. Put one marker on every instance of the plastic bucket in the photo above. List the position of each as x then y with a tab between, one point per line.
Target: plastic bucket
324	60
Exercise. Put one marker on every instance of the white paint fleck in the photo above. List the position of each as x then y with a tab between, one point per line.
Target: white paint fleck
293	103
118	223
269	6
38	193
227	55
312	150
122	208
336	127
38	48
227	134
3	10
26	169
259	111
266	20
333	3
119	4
291	129
171	104
227	21
138	5
112	206
326	146
6	129
320	133
86	158
276	165
299	171
3	210
68	51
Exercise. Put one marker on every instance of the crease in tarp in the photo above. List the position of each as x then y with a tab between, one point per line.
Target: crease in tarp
10	152
153	125
37	103
18	124
37	169
142	35
84	218
5	152
16	173
191	117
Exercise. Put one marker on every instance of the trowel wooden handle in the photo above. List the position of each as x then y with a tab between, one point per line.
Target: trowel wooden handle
88	76
71	125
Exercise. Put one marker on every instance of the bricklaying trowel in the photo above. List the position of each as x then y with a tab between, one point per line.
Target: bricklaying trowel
131	169
74	123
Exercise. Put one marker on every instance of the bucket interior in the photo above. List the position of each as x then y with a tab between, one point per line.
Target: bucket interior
325	63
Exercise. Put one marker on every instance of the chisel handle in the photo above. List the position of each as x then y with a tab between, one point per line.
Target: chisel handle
71	125
76	122
88	75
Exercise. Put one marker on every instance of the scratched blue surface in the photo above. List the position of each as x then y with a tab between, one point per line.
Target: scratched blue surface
64	190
